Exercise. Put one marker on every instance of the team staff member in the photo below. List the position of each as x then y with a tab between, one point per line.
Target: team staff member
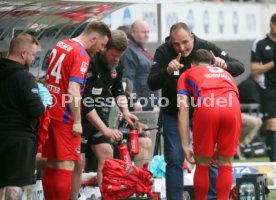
104	77
69	62
20	107
222	130
262	63
172	59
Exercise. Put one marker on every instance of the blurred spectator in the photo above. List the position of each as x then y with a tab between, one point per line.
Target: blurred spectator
249	92
145	143
124	28
250	127
137	62
115	121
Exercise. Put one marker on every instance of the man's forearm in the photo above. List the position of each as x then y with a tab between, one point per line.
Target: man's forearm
183	126
75	109
122	103
258	68
75	101
235	67
183	120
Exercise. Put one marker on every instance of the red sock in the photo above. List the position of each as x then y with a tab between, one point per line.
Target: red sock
56	184
201	182
224	182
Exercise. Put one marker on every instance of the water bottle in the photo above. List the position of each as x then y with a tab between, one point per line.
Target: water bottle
242	191
250	191
134	142
186	195
124	154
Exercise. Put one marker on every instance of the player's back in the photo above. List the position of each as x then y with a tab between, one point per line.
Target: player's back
207	80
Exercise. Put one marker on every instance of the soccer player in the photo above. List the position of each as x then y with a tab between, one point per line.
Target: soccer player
171	60
68	65
216	122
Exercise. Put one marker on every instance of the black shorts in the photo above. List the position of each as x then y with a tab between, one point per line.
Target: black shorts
268	103
93	139
17	164
98	138
91	159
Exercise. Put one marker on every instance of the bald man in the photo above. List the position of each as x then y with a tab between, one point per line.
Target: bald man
137	62
20	107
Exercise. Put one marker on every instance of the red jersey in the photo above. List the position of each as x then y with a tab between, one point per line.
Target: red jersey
68	62
200	82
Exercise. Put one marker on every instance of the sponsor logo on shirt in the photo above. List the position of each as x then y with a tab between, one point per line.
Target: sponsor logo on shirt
267	48
113	74
84	67
176	73
97	91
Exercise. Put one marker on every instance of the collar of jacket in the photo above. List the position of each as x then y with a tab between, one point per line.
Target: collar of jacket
137	43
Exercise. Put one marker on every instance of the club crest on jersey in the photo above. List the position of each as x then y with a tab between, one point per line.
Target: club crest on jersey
113	74
84	67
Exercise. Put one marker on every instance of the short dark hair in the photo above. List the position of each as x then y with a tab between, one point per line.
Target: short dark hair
201	56
124	28
22	40
273	18
99	27
118	40
179	25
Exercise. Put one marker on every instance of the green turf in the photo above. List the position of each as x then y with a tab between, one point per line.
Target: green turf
272	194
260	159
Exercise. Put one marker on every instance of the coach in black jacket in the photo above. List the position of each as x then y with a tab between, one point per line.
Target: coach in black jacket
172	59
20	107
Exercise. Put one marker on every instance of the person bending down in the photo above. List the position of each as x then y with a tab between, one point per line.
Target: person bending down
216	122
104	77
